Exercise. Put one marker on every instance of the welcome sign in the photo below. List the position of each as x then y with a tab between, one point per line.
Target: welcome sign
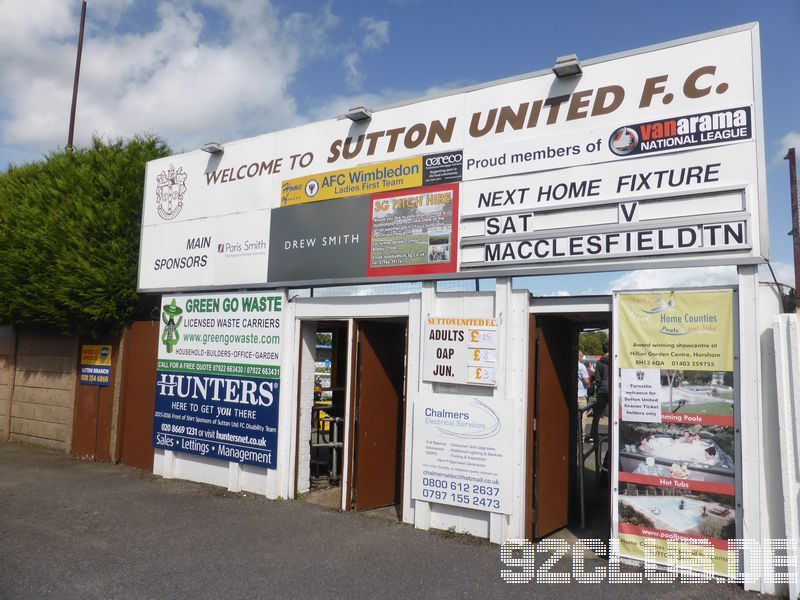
650	159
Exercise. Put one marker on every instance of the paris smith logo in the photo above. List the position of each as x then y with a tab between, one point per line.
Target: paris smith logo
715	127
170	189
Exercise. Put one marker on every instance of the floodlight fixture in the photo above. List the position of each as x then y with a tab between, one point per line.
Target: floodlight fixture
359	113
566	66
213	148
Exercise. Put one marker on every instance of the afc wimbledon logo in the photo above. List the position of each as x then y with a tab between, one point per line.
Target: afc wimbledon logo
169	192
172	318
312	187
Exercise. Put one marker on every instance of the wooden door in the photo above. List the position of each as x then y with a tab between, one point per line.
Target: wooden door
94	408
379	406
554	391
138	399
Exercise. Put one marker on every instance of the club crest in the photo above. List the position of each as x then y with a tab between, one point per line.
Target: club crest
170	191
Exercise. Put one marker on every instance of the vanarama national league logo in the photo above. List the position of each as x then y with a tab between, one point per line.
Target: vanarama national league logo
623	141
701	129
170	191
171	335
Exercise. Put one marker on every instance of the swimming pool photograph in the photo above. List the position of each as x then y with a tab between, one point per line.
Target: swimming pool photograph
697	392
702	514
691	453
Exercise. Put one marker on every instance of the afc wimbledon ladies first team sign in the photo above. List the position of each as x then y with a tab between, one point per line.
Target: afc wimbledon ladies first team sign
217	387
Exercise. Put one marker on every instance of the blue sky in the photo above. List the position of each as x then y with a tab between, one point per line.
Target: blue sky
193	70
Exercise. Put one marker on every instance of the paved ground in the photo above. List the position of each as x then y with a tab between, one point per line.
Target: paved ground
72	529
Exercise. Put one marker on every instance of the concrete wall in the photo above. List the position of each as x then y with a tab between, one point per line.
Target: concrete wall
43	395
6	378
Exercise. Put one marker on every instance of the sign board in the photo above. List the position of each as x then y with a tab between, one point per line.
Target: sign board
676	455
462	452
95	365
217	384
648	159
460	350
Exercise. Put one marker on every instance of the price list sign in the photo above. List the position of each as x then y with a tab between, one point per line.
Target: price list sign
461	350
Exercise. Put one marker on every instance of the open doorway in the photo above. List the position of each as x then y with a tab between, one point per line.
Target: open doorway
351	416
567	467
324	362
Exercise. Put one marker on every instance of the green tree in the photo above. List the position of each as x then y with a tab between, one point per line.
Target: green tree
697	377
69	234
591	343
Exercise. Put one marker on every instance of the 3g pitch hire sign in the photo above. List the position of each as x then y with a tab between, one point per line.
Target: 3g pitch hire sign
217	384
649	158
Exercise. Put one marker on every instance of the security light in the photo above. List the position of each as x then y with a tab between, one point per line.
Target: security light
212	148
567	65
358	113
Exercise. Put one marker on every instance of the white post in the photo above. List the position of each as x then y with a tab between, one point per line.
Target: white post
422	509
787	362
752	484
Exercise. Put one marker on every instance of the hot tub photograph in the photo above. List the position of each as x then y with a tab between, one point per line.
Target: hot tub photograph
695	452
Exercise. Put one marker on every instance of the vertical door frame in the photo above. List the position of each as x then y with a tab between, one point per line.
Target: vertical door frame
347	330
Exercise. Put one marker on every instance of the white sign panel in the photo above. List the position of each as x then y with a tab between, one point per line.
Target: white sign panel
460	350
640	395
687	174
680	120
462	452
206	253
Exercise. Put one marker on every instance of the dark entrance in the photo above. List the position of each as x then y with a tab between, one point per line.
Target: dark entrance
556	455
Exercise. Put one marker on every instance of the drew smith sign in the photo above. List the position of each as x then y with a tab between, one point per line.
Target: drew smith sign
217	385
460	350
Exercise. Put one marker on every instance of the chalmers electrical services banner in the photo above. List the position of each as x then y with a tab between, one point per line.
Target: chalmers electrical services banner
465	452
677	459
217	386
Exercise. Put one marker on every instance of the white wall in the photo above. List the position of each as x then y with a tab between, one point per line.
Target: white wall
787	377
511	309
762	477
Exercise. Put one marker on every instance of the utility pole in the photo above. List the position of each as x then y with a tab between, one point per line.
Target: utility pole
77	77
795	232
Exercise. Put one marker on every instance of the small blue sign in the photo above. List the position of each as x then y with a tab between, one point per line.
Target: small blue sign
93	375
